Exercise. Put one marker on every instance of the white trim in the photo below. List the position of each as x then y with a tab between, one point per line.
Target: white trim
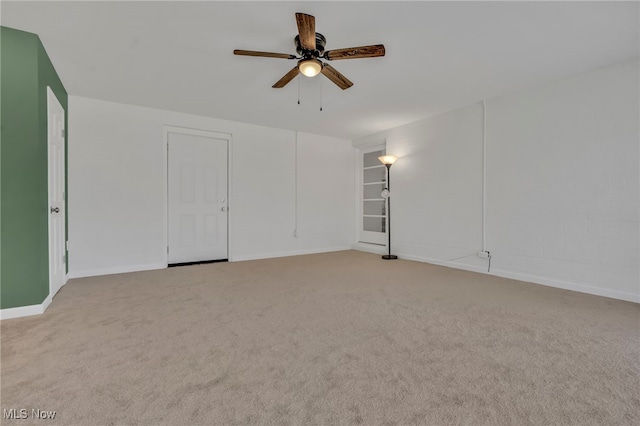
25	311
295	185
534	279
116	270
288	253
52	98
230	209
484	176
568	285
446	263
369	247
64	282
165	195
166	130
361	234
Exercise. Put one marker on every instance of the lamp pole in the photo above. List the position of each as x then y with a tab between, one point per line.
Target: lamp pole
388	160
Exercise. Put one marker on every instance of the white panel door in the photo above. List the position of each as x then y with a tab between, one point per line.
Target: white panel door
57	237
197	198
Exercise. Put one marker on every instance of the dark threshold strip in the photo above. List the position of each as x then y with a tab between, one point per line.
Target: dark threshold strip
201	262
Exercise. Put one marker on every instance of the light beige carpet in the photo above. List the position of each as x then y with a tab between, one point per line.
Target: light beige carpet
328	339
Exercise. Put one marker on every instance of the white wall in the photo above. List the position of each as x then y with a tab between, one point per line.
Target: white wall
436	190
325	189
562	184
117	189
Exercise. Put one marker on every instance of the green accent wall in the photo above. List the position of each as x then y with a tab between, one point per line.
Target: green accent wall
25	73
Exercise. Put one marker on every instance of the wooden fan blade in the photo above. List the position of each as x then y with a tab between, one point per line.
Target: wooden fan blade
332	74
263	54
356	52
307	30
287	78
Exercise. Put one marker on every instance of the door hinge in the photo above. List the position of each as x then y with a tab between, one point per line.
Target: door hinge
167	249
63	132
64	259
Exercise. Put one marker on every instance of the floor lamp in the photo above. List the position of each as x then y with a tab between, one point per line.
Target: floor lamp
388	160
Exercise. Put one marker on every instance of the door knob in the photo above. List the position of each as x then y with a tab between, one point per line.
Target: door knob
55	210
224	209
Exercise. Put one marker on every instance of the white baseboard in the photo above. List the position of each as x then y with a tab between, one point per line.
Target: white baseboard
535	279
369	248
26	311
116	270
567	285
287	254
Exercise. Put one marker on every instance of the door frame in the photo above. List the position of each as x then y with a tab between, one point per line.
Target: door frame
52	98
166	131
368	237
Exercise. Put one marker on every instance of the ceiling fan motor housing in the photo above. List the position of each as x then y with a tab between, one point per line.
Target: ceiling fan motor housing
320	43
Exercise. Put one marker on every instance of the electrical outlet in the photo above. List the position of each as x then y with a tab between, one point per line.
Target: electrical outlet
483	254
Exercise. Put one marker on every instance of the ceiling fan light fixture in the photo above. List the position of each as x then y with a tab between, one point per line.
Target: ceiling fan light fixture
310	67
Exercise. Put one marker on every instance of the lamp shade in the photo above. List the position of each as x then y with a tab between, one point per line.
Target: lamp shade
310	67
387	160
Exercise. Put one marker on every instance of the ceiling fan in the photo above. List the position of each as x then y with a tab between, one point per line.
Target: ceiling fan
310	47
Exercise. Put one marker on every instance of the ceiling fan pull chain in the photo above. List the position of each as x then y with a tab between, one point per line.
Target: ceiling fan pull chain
298	89
320	94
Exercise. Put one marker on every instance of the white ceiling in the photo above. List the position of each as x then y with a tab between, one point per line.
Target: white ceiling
440	55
